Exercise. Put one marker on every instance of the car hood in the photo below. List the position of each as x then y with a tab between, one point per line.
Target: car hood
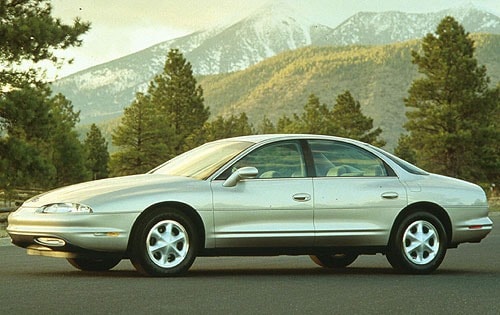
110	190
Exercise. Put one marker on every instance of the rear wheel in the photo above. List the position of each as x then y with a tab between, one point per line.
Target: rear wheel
94	264
334	260
418	244
163	244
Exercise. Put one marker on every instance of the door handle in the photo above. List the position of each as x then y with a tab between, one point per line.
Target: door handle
301	197
390	195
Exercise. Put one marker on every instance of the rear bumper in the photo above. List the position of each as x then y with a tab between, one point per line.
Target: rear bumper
471	231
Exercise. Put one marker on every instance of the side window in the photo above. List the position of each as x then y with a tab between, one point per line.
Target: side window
335	159
279	160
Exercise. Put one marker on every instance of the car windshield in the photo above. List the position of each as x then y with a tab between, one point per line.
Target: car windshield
202	161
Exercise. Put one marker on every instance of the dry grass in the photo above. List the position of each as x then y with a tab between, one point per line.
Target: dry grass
3	223
494	203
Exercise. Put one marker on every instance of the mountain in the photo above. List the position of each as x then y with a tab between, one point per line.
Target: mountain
370	28
267	32
377	76
102	92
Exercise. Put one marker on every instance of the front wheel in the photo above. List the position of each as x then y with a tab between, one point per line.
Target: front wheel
94	264
334	261
163	244
418	245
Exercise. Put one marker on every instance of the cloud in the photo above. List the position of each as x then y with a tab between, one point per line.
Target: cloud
186	14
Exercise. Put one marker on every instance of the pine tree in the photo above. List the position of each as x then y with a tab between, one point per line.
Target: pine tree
351	123
222	128
404	149
287	125
139	137
40	148
25	130
316	118
23	166
161	123
29	128
344	120
266	126
179	101
451	118
67	152
96	153
28	32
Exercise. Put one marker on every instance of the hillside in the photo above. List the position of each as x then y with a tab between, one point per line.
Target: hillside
378	76
102	92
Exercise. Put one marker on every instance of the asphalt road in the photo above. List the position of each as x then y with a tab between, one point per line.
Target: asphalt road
468	282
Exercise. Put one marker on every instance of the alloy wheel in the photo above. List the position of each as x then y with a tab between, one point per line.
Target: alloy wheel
167	244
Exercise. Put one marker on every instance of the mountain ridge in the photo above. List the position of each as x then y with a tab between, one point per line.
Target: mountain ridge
376	28
102	92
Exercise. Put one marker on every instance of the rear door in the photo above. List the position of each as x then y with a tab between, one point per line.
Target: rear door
356	195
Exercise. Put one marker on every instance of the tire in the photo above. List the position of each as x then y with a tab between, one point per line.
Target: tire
94	264
418	244
163	244
334	261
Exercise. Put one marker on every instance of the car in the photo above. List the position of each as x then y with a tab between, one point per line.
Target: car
327	197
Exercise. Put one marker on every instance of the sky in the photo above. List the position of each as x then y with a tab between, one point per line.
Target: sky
121	27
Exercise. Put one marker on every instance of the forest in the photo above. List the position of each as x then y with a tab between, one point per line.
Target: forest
451	108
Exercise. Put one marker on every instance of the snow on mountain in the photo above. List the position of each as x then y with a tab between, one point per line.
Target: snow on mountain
379	28
375	28
265	33
475	19
104	90
101	92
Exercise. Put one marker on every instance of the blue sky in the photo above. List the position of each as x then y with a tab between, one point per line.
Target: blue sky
120	27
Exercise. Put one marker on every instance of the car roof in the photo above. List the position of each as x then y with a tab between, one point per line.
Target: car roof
276	137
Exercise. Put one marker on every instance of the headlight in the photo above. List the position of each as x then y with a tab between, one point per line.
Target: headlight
65	208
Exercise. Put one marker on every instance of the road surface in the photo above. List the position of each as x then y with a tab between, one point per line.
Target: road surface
468	282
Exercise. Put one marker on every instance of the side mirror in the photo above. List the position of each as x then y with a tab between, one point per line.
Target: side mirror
239	174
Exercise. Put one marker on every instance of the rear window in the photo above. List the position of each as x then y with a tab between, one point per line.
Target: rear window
407	166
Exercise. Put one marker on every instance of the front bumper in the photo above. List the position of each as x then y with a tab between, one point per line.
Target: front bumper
71	233
62	250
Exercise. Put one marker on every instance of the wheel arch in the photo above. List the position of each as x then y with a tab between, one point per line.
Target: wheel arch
430	207
177	206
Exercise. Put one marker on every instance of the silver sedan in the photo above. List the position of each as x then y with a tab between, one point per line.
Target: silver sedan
331	198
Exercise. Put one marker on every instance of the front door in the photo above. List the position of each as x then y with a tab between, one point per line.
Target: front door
273	210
